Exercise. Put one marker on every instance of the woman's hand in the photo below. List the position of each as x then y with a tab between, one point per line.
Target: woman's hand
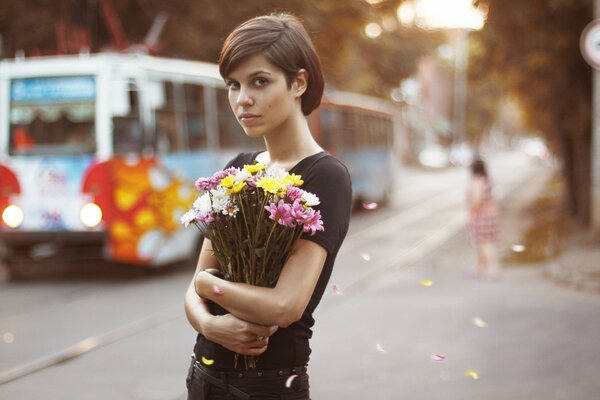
231	332
239	336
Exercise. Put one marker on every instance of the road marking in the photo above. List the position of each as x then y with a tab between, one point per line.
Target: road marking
91	343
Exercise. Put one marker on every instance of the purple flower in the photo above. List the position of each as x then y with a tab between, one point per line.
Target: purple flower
281	213
205	184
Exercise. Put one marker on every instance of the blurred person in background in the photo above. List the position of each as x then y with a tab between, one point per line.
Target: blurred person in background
483	221
274	77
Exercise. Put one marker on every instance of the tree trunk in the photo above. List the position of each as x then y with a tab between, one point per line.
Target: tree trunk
576	169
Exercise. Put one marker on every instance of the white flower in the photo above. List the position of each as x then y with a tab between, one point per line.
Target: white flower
242	176
220	199
189	217
231	210
277	172
203	204
310	199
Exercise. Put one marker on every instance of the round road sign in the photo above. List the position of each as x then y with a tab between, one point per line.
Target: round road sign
590	43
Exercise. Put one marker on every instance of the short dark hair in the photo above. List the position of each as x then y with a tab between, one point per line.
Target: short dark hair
478	167
282	39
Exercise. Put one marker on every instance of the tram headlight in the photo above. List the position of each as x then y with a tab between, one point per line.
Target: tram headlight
90	215
13	216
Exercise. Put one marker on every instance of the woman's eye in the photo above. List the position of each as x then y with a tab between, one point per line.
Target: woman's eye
232	85
260	82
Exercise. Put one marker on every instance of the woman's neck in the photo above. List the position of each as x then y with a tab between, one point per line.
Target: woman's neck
291	144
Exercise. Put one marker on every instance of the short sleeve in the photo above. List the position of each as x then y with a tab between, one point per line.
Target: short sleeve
330	181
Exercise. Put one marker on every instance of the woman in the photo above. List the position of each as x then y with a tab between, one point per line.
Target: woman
275	80
483	221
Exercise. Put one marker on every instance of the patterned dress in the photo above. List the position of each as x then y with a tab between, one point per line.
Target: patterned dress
483	216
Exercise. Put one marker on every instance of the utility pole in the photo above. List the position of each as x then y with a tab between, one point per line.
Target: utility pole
590	49
459	101
595	181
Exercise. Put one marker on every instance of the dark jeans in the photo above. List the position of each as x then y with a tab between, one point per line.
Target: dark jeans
206	385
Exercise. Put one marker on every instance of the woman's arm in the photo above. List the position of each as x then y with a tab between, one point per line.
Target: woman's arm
227	330
281	305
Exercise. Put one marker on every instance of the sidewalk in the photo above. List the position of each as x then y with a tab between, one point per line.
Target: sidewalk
570	260
578	267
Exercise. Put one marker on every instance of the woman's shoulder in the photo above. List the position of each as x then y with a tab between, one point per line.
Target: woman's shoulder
330	165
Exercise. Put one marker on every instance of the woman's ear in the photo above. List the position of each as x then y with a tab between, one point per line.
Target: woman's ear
300	83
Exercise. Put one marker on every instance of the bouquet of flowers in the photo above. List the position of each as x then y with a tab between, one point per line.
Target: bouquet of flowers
253	216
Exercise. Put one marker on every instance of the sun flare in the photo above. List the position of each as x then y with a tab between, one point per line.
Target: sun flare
435	14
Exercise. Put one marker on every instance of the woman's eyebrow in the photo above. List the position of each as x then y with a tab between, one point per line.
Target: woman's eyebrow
260	72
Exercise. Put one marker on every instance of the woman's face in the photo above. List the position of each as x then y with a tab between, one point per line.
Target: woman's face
259	96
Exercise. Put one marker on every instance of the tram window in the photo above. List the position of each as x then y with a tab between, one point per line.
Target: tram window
195	116
348	130
167	137
58	135
52	116
231	134
326	123
127	129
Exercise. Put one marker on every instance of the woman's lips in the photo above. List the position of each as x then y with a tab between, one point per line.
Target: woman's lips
248	118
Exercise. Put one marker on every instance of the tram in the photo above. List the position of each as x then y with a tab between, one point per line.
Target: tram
99	153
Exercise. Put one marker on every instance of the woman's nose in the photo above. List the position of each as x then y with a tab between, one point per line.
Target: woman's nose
244	98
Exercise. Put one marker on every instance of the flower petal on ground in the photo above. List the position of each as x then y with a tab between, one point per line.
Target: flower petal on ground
479	322
426	282
438	357
365	256
370	206
472	374
379	348
336	290
518	248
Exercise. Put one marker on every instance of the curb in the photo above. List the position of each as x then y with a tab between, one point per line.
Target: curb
572	278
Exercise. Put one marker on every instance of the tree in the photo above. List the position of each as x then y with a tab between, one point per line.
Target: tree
195	29
532	49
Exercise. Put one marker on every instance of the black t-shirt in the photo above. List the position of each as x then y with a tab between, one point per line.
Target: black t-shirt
328	178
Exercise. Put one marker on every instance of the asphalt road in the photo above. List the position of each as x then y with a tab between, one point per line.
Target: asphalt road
114	334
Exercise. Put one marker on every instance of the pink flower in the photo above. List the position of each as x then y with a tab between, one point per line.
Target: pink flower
206	184
297	211
294	193
207	219
281	213
214	181
312	221
308	218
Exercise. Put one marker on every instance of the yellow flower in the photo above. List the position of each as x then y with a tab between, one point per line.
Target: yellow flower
228	181
294	179
271	185
236	188
255	167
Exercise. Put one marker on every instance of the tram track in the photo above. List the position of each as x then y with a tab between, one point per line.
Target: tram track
407	257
